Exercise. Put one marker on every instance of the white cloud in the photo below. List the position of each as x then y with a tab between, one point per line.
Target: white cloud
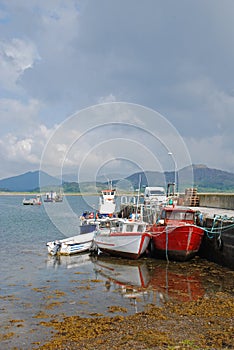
211	151
93	137
108	98
23	153
19	117
153	54
16	56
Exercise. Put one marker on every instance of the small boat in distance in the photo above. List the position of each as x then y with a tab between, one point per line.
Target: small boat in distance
71	245
32	201
175	235
122	237
52	197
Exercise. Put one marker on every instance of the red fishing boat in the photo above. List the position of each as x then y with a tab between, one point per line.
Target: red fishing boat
175	235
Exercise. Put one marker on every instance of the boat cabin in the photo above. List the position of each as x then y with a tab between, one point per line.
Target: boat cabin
131	226
107	202
176	215
122	226
109	193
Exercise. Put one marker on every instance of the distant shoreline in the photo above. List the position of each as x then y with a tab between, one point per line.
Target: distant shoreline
28	194
36	193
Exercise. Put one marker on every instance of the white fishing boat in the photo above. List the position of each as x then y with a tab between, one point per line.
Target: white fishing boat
71	245
32	201
107	204
107	207
122	237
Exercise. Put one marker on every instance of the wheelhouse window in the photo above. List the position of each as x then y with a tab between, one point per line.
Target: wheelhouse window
179	215
129	228
105	224
140	228
189	216
157	192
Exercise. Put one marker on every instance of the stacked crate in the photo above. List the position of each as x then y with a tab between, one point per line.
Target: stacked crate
191	198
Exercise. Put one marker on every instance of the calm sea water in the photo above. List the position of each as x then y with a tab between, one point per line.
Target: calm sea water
35	287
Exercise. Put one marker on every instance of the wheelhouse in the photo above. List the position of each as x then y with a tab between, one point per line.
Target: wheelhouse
177	215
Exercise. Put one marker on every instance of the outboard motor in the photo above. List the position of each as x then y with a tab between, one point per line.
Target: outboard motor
56	248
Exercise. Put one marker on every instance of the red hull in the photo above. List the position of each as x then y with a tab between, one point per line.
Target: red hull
176	242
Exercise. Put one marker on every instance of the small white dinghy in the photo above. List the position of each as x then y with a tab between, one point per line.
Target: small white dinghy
71	245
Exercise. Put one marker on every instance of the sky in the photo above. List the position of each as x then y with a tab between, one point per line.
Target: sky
113	87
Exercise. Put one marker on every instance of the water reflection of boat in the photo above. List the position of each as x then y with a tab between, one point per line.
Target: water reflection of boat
129	279
180	286
123	272
69	261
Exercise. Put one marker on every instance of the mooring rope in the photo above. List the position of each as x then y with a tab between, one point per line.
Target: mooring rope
167	244
216	231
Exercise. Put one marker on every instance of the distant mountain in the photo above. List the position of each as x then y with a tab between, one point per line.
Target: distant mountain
28	182
69	177
205	180
100	178
147	178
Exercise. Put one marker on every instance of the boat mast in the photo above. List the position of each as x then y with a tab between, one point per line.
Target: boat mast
138	193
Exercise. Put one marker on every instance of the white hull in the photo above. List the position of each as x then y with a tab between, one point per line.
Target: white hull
71	245
131	245
32	201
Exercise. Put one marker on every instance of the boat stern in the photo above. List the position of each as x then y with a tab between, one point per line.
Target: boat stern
53	247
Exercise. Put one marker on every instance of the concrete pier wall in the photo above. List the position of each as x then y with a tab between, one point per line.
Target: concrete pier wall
217	200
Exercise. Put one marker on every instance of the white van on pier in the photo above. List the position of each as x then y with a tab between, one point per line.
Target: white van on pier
155	196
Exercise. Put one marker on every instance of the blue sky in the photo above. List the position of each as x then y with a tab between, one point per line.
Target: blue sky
60	57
